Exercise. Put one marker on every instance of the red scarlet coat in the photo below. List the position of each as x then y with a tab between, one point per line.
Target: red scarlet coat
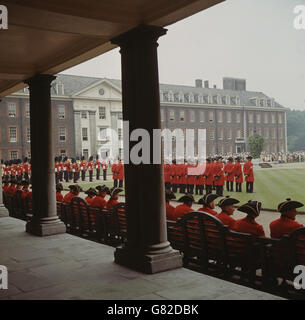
68	197
120	170
238	174
170	212
172	173
248	171
209	174
90	166
59	197
166	168
111	203
226	219
218	172
229	171
98	202
283	226
208	210
89	200
247	225
181	210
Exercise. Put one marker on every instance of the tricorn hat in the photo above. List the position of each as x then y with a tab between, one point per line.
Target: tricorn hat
169	195
227	201
252	208
208	198
59	187
115	191
187	198
91	191
103	188
289	205
75	187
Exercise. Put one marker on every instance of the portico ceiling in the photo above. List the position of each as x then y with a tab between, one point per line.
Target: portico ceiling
51	36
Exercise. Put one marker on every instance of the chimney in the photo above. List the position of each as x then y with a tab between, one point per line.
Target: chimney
206	83
198	83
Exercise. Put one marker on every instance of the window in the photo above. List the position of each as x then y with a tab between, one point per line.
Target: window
266	117
120	133
192	116
266	132
273	117
28	135
262	102
13	134
229	133
280	119
162	115
251	132
219	116
59	88
27	110
85	134
272	133
61	112
103	134
258	118
259	131
201	115
181	115
281	133
62	134
238	133
102	112
238	117
84	115
171	115
212	134
120	116
250	117
86	153
12	109
229	116
220	133
211	116
14	155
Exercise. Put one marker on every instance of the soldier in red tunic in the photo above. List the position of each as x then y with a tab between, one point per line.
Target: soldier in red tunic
114	175
97	165
104	167
286	224
185	207
208	175
83	168
208	204
91	193
238	174
249	175
90	168
219	179
56	165
248	224
227	210
26	169
170	210
120	172
114	197
229	174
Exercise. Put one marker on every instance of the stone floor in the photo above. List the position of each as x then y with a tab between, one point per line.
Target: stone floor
68	267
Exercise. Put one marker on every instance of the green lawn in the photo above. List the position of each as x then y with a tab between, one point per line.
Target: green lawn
272	186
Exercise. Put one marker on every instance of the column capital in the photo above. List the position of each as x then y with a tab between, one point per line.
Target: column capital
142	33
40	79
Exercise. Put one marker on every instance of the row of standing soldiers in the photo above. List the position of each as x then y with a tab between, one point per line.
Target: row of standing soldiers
212	175
16	170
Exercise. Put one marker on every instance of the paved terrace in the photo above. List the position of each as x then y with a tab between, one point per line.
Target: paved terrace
67	267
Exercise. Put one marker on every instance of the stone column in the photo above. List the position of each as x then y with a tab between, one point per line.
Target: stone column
92	128
78	133
45	220
147	248
3	210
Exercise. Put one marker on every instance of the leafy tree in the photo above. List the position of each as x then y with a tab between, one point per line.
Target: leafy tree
296	130
255	145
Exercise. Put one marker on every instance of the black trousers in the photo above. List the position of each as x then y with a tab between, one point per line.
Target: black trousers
83	175
229	185
121	183
90	175
168	185
70	175
115	183
238	187
105	175
183	188
219	190
190	188
208	188
60	174
66	176
199	189
249	187
98	173
26	177
56	177
75	177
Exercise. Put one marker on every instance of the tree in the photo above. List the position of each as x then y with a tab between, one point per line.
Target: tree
255	145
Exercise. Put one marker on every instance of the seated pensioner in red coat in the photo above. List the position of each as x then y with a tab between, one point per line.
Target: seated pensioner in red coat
170	210
91	193
114	197
248	224
227	210
208	203
74	192
185	207
99	201
286	224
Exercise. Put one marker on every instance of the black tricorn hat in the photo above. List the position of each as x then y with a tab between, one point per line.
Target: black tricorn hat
187	198
252	208
114	191
227	201
169	195
75	187
289	205
208	198
91	191
103	188
59	187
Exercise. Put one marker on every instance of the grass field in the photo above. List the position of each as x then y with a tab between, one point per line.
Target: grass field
271	187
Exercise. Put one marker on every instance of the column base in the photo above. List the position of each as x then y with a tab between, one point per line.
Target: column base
3	211
41	228
147	263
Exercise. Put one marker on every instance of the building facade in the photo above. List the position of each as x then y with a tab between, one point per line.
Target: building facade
88	120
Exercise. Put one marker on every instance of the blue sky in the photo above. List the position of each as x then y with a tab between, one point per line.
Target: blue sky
251	39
